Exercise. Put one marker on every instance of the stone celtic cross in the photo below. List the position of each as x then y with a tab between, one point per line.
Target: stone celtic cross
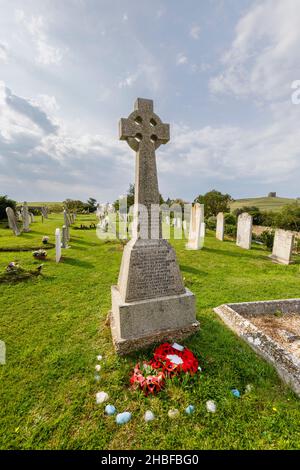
144	132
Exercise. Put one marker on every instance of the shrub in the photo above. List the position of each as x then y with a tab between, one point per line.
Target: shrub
211	222
229	219
230	230
267	237
4	203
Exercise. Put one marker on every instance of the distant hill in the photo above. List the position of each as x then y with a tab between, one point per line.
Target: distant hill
263	203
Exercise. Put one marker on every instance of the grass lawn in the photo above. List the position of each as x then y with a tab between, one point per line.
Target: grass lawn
263	203
54	327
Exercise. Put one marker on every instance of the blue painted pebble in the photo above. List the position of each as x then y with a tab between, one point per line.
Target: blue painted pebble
123	418
190	409
110	410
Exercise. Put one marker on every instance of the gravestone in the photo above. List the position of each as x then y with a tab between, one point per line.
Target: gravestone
44	211
25	215
12	221
67	224
31	217
244	231
197	218
220	226
57	245
282	247
64	243
150	303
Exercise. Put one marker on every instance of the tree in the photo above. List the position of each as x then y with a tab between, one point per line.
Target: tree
214	202
91	205
4	203
74	205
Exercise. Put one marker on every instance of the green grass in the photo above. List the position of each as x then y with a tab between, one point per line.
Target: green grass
263	203
54	326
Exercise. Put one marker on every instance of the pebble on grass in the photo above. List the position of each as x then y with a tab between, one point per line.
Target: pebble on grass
173	413
211	406
101	397
123	418
149	416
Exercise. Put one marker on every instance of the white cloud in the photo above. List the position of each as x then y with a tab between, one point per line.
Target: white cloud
233	153
195	31
264	57
181	59
47	54
43	159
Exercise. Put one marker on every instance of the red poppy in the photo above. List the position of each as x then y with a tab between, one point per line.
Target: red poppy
151	377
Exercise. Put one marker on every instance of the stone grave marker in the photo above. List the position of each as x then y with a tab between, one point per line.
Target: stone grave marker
282	247
196	220
67	224
150	303
25	215
220	226
12	221
64	243
244	231
57	245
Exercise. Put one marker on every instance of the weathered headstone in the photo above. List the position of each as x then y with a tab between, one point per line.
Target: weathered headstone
150	302
220	226
57	245
12	221
282	247
67	224
25	215
197	218
64	243
244	231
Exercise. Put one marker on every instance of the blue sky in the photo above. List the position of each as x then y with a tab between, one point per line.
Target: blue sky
219	71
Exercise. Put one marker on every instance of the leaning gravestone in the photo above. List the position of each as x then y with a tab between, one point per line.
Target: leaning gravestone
244	231
57	245
12	221
196	220
282	247
150	302
220	226
25	215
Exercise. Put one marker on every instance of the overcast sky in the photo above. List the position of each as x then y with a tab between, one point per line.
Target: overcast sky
219	71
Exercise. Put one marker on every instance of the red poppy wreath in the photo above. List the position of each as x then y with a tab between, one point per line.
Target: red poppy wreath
168	360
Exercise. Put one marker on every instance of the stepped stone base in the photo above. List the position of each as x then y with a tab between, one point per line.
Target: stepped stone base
138	324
